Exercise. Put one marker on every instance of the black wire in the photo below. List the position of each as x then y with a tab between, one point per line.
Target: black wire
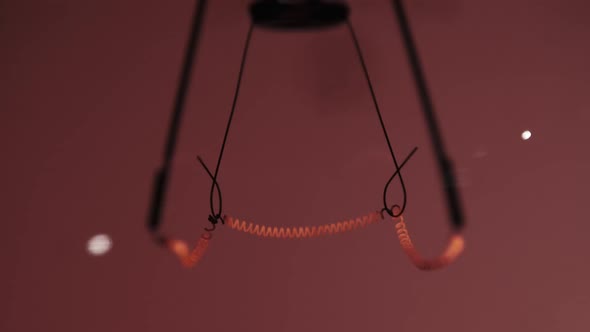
386	208
397	167
162	175
211	217
444	164
214	217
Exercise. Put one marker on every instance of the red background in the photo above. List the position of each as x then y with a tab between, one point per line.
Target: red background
86	93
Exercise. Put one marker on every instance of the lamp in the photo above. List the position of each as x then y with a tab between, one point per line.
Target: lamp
312	15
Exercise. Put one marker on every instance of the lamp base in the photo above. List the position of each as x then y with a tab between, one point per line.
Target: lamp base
302	14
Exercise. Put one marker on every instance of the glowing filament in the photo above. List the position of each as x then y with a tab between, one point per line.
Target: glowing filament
454	248
187	257
302	232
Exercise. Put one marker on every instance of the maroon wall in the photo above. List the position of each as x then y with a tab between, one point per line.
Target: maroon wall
85	97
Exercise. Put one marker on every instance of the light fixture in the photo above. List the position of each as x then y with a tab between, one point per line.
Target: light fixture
311	15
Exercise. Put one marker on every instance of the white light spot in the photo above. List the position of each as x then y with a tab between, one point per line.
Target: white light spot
526	135
99	244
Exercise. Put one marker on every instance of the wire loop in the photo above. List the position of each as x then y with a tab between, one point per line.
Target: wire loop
398	167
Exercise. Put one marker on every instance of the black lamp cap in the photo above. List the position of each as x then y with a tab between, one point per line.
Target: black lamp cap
303	14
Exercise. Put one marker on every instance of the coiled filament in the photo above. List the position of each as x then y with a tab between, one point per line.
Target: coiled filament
187	257
302	232
454	248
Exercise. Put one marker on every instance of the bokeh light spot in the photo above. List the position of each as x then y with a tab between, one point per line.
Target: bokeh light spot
99	244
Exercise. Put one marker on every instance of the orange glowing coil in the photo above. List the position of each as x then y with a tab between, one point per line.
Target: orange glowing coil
454	249
181	250
302	232
190	258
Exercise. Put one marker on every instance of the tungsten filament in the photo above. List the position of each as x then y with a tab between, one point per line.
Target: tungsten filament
454	247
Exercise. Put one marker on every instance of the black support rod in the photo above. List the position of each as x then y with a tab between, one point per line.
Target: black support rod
444	163
162	175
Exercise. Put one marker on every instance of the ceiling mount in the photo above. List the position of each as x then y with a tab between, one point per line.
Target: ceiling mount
298	15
